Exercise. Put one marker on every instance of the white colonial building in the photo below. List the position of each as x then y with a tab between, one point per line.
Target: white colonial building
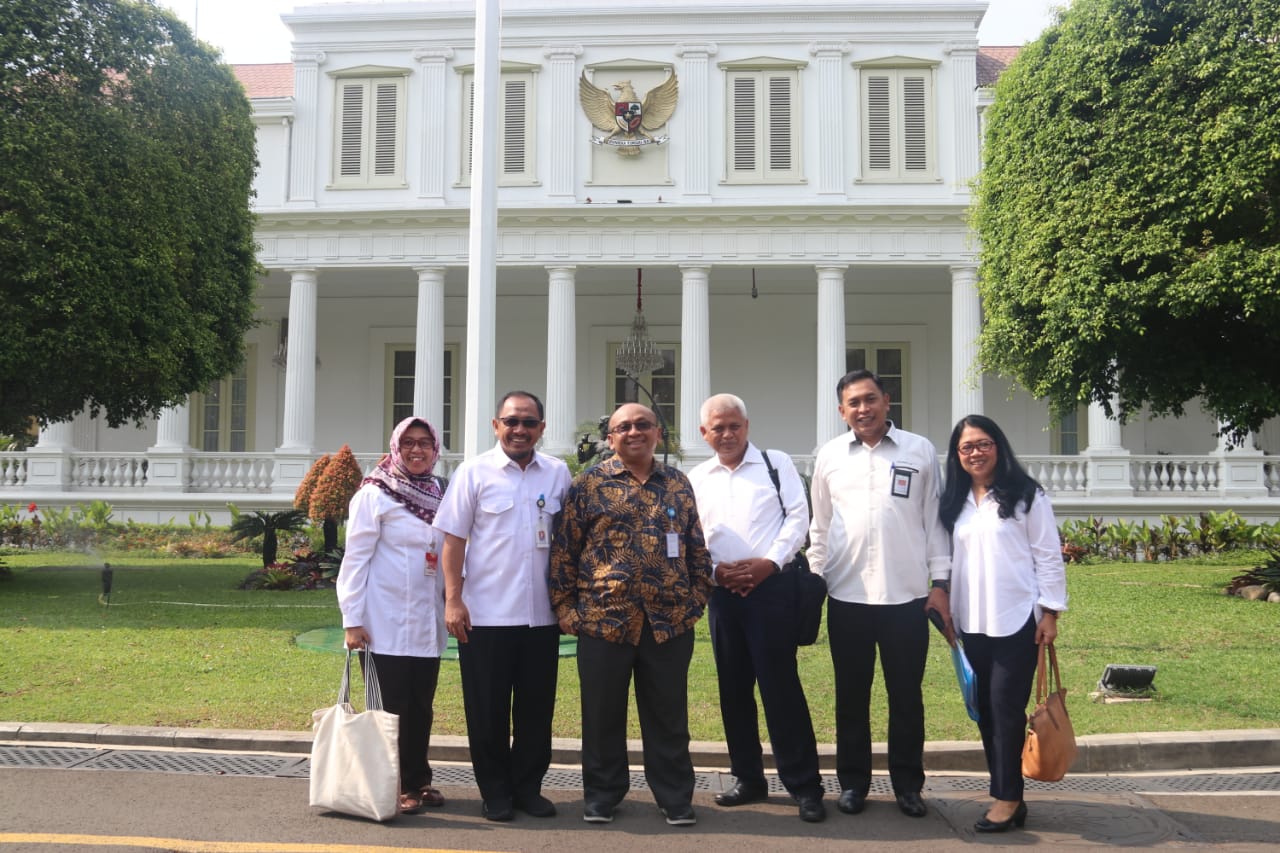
797	207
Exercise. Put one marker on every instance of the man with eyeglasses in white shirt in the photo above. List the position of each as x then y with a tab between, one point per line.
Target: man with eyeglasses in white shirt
497	519
877	539
753	528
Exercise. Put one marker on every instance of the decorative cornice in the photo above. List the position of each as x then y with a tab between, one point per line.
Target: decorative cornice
308	57
560	51
818	48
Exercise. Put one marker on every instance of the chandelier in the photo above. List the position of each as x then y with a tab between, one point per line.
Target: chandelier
638	354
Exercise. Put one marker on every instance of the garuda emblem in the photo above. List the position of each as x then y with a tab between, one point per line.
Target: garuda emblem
626	120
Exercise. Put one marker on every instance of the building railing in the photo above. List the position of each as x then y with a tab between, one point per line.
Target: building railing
217	473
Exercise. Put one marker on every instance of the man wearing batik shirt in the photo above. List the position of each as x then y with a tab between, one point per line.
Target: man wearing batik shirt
630	576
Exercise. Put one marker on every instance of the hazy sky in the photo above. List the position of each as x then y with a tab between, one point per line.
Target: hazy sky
250	30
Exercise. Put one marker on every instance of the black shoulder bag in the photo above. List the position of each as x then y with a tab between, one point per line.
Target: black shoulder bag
809	591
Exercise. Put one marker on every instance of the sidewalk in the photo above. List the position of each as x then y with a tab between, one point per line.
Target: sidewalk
1115	753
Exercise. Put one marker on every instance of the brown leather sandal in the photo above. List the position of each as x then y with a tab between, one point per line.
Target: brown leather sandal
411	803
431	797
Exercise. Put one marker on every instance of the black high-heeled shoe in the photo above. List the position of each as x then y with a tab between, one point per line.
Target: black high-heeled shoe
1018	818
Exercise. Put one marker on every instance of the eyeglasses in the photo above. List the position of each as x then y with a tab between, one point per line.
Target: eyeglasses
626	427
512	423
976	447
421	444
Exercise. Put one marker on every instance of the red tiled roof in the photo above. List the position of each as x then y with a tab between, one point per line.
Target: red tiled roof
274	80
992	61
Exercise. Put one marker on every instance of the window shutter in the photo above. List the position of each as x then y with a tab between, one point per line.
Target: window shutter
514	104
744	124
384	129
351	139
879	125
780	154
915	140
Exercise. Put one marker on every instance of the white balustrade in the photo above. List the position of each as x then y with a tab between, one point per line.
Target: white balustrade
108	470
231	472
13	469
1174	474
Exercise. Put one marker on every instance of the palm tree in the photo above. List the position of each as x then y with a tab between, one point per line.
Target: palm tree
267	525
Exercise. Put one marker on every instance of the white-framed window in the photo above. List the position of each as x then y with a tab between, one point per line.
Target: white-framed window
516	152
222	415
889	362
1071	435
400	370
663	383
763	116
897	112
369	128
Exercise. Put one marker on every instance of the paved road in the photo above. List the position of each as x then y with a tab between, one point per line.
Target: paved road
43	810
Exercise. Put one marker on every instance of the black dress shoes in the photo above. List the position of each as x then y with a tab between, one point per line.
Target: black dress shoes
812	810
536	805
498	809
741	794
1018	818
851	802
596	811
911	805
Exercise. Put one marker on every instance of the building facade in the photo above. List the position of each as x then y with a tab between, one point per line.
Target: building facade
783	195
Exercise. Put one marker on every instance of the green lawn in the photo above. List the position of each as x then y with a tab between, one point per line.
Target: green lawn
178	645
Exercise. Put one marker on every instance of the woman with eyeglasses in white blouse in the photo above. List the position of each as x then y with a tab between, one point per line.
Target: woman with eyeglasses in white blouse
1008	585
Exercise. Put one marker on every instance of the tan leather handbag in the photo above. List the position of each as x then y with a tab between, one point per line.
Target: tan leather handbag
1050	748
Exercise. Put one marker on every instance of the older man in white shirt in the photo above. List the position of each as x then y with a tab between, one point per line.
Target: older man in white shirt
877	539
753	528
496	516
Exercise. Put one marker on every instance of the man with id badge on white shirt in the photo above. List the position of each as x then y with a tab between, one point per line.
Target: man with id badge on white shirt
876	537
497	522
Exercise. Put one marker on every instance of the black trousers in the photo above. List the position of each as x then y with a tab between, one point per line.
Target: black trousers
661	673
754	643
901	634
1005	668
408	690
509	696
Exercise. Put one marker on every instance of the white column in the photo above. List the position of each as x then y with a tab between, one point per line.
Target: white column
695	356
56	436
1241	472
435	111
302	163
830	353
695	114
173	428
562	120
300	373
428	365
964	98
966	324
1109	474
482	281
167	458
832	137
562	364
49	461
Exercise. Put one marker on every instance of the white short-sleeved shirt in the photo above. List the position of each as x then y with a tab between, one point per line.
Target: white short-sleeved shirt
386	584
1004	570
493	504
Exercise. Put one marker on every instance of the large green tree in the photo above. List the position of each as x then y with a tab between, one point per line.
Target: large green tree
126	238
1127	209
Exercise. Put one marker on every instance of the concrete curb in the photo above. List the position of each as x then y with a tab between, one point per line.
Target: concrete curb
1115	753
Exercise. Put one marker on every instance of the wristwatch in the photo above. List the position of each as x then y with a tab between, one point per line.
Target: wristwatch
945	586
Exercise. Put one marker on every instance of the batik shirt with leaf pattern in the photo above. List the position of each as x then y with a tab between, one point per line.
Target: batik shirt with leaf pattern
609	565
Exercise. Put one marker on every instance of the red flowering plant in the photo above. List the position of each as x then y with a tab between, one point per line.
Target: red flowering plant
329	497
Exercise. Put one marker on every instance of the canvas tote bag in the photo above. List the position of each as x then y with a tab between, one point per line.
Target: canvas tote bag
355	757
1051	741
